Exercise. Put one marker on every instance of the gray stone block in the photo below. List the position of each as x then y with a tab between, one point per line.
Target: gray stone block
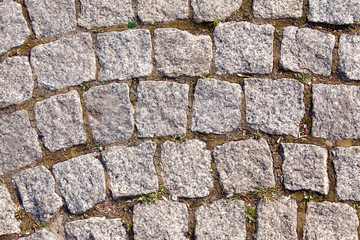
161	108
243	47
8	222
65	62
40	235
110	112
180	53
277	9
307	50
209	10
275	106
349	57
216	107
244	166
19	142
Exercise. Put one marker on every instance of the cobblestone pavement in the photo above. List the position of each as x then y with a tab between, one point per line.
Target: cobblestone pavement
179	119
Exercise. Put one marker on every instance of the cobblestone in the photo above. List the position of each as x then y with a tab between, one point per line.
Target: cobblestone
41	235
277	9
8	222
349	57
209	11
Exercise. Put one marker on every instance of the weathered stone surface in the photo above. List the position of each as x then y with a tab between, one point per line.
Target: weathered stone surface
161	108
41	235
216	106
349	57
277	219
222	220
243	47
131	170
19	142
328	220
336	111
244	166
276	9
59	120
180	53
36	187
307	50
162	10
105	13
51	17
124	55
8	222
160	220
96	228
187	168
305	167
275	106
81	181
110	112
14	30
16	82
65	62
337	12
209	10
347	165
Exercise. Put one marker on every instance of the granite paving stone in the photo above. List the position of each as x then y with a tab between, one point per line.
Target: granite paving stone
326	220
216	107
161	108
19	142
81	181
110	112
180	53
222	220
274	106
14	30
349	57
243	47
209	10
36	187
16	82
244	165
8	222
307	50
50	18
305	167
41	235
124	55
336	111
65	62
160	220
277	9
131	169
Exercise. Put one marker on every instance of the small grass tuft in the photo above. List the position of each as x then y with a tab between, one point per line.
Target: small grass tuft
303	77
257	135
148	198
20	214
42	225
131	24
205	75
266	193
179	138
250	213
84	85
310	195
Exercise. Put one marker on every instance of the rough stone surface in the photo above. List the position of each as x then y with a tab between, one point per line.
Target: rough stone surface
131	170
96	228
8	222
305	167
81	181
105	13
124	55
51	17
277	9
244	166
36	187
349	57
275	106
216	106
19	142
16	82
59	120
187	169
337	12
14	30
336	111
65	62
209	10
110	112
180	53
307	50
243	47
161	108
347	166
162	10
328	220
222	220
160	220
41	235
